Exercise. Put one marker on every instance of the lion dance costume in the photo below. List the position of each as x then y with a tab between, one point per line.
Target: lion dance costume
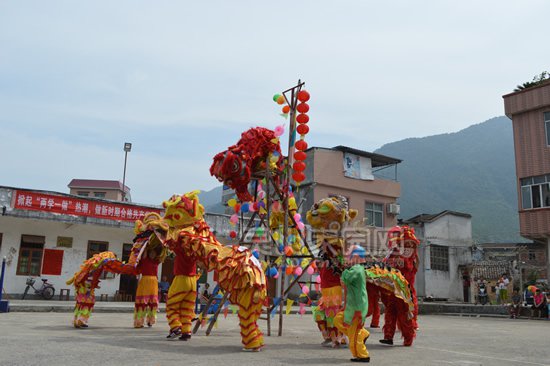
403	255
327	218
184	231
146	304
86	280
255	149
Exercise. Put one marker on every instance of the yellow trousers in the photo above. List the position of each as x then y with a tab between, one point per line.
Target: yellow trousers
250	309
356	333
180	304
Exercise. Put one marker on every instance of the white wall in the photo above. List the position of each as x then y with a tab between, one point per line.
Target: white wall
451	231
13	227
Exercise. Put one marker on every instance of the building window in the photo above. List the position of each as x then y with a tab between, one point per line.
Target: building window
95	247
532	255
547	127
82	193
99	194
374	214
30	255
535	192
439	258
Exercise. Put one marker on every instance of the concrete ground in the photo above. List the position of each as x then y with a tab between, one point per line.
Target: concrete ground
49	339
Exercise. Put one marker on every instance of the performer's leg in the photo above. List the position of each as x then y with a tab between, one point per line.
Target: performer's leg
187	304
180	304
374	308
250	309
356	334
320	320
390	318
173	305
140	305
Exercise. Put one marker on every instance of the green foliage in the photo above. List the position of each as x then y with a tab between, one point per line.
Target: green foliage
537	80
470	171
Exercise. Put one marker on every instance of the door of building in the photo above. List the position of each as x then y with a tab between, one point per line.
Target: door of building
128	283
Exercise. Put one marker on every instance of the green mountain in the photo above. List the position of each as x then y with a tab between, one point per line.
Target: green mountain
471	171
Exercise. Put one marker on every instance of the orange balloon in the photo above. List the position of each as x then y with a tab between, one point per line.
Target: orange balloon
286	109
281	100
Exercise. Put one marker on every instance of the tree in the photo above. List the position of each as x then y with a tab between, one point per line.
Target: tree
537	80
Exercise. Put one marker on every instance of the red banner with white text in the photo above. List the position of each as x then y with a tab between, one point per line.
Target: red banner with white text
25	200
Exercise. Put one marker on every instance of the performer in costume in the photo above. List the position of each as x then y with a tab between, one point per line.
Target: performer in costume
351	320
327	217
85	300
180	304
329	305
147	301
403	255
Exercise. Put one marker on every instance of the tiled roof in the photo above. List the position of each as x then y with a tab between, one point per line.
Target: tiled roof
97	183
490	270
431	218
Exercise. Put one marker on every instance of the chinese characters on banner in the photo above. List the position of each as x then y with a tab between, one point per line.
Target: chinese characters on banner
80	207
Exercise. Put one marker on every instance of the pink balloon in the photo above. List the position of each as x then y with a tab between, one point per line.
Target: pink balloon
279	130
305	290
234	218
298	271
310	270
297	217
318	279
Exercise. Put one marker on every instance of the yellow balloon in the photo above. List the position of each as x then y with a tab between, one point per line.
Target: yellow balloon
276	235
232	202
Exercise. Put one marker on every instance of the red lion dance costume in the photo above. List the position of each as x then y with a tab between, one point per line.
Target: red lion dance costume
403	255
235	166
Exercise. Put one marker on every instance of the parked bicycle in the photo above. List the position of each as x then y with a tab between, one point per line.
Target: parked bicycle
46	291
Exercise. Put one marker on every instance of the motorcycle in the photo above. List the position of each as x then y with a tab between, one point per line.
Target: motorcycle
482	295
46	291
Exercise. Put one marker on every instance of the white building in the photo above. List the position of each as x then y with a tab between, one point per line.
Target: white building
444	253
50	234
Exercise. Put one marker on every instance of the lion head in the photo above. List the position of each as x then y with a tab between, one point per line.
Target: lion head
181	211
330	213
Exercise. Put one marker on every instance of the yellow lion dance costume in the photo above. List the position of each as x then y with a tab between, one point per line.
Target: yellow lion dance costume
183	228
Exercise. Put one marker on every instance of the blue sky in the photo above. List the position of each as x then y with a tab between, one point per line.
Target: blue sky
181	80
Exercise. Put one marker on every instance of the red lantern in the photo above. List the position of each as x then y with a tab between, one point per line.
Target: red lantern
302	108
286	109
299	166
303	96
300	155
302	129
232	234
302	118
298	177
301	145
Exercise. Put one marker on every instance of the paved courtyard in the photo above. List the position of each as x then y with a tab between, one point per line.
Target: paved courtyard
48	339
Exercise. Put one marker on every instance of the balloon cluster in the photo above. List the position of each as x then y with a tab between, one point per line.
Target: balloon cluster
280	100
299	165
